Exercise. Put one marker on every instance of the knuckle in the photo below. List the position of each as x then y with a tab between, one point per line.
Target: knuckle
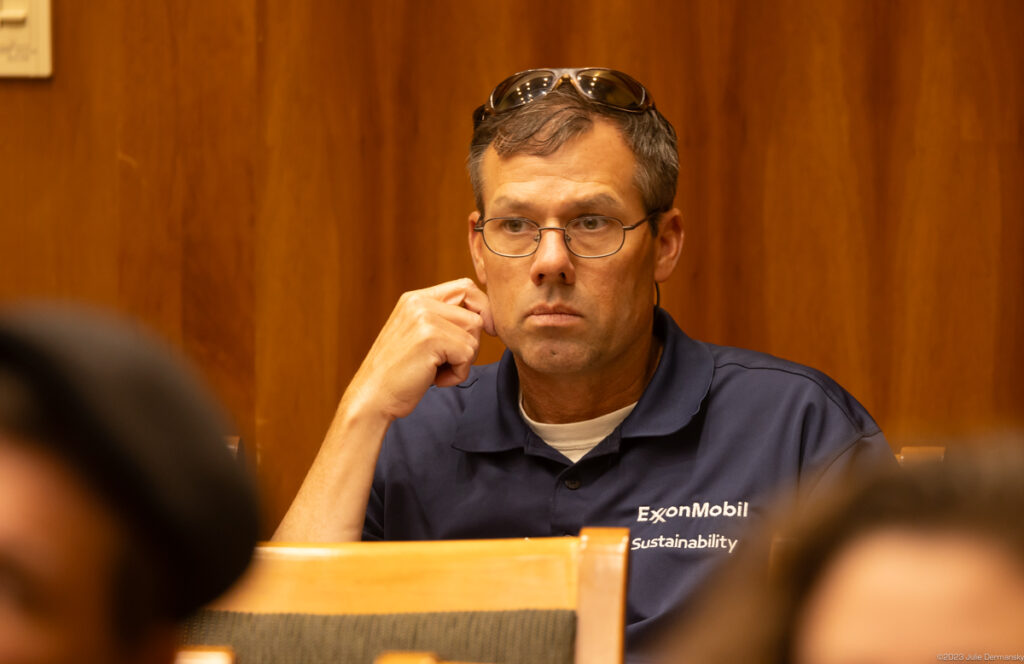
417	301
472	346
425	327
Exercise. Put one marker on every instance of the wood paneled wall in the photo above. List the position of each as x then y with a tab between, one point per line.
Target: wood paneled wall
260	181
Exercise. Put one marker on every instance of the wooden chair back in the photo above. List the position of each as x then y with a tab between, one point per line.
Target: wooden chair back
414	658
585	574
915	455
209	655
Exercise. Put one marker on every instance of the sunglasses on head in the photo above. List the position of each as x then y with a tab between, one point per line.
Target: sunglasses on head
607	87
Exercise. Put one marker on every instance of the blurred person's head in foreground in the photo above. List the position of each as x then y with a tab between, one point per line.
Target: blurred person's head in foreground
906	566
121	509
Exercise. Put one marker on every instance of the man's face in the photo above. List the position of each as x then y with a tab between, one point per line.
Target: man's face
558	313
57	546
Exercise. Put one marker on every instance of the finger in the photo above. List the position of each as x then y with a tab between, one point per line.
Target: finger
471	301
447	376
451	292
477	301
431	312
465	293
458	360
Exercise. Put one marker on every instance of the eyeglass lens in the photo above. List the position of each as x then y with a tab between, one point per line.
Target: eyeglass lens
522	89
587	237
611	87
603	85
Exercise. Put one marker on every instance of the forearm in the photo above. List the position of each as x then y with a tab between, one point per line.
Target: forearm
331	503
432	337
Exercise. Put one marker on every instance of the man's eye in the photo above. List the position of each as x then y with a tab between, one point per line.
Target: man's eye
591	224
514	226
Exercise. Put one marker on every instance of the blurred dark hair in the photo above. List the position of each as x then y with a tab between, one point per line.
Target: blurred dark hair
976	492
126	414
543	126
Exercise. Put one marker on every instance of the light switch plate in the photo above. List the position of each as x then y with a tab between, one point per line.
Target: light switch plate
25	40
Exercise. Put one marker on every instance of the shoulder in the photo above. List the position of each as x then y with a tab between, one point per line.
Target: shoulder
735	387
761	372
687	361
773	392
793	415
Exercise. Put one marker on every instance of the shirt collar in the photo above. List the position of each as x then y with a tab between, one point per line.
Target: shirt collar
678	387
491	421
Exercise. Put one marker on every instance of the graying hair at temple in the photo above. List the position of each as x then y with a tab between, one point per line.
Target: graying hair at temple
542	127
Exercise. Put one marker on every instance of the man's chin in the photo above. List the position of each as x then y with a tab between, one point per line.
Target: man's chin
554	357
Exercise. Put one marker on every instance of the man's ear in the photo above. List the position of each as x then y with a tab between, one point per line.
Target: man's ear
477	248
668	245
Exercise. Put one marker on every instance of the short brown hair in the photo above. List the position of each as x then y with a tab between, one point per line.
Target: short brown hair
542	127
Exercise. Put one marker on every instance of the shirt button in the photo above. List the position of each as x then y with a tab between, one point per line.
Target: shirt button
573	484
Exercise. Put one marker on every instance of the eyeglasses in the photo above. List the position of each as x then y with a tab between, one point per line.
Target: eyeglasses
586	237
607	87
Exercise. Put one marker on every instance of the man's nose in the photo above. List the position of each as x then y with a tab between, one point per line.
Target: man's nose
552	259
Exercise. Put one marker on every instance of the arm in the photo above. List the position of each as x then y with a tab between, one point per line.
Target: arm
431	338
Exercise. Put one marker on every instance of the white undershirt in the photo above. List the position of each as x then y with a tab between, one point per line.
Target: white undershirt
575	439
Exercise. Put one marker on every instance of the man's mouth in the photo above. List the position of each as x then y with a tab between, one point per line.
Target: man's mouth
553	314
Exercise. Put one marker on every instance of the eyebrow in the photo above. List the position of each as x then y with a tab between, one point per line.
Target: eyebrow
587	203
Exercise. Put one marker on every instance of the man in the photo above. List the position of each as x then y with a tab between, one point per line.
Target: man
121	510
602	412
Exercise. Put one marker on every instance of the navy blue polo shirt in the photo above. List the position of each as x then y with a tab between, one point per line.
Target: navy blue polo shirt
714	437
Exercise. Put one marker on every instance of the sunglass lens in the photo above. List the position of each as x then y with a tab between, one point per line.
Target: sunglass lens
613	88
522	88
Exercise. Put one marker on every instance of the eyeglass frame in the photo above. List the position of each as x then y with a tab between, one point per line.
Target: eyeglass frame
562	74
479	228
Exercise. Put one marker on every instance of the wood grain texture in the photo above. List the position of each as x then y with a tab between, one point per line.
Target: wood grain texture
127	178
260	181
586	574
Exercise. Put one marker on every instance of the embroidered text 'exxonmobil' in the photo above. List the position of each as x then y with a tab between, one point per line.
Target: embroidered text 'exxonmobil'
697	510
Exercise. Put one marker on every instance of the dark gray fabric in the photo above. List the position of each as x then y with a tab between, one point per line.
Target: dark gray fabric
501	637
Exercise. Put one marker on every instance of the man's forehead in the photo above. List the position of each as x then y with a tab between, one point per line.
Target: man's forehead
595	169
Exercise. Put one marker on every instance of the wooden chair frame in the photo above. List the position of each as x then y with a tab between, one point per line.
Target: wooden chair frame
915	455
586	574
